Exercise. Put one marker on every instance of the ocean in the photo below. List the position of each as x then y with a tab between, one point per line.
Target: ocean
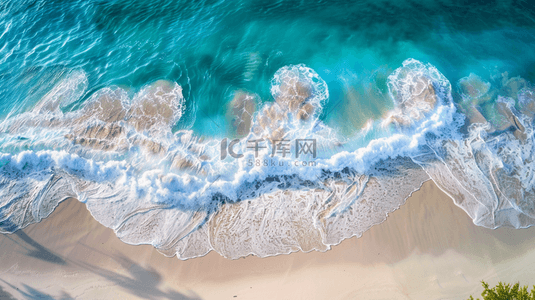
261	127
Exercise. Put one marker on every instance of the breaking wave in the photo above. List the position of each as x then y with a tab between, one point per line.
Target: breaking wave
289	183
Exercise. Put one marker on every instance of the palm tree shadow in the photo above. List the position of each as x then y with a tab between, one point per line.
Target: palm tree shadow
38	250
31	293
140	281
5	295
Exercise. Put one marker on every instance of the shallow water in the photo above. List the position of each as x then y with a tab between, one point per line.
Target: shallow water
124	105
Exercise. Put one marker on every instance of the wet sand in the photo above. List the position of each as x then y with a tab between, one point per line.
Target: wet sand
427	249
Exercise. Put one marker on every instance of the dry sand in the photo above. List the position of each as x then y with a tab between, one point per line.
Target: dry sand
428	249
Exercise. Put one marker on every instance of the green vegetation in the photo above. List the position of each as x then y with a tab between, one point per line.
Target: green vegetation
506	292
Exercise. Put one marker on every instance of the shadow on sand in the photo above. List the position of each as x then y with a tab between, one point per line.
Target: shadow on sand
38	250
31	294
34	249
141	281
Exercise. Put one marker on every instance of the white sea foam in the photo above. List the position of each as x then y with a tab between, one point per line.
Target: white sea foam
172	190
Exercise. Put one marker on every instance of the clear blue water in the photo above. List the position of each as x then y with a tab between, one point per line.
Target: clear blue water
212	48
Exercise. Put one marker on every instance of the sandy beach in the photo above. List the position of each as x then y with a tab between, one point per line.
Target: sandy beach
427	249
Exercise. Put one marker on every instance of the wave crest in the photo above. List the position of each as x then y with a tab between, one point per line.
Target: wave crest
174	190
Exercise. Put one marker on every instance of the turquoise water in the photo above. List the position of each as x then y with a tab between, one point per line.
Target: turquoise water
212	48
123	105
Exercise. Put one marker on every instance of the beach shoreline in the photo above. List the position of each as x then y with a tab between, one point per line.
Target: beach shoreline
427	249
